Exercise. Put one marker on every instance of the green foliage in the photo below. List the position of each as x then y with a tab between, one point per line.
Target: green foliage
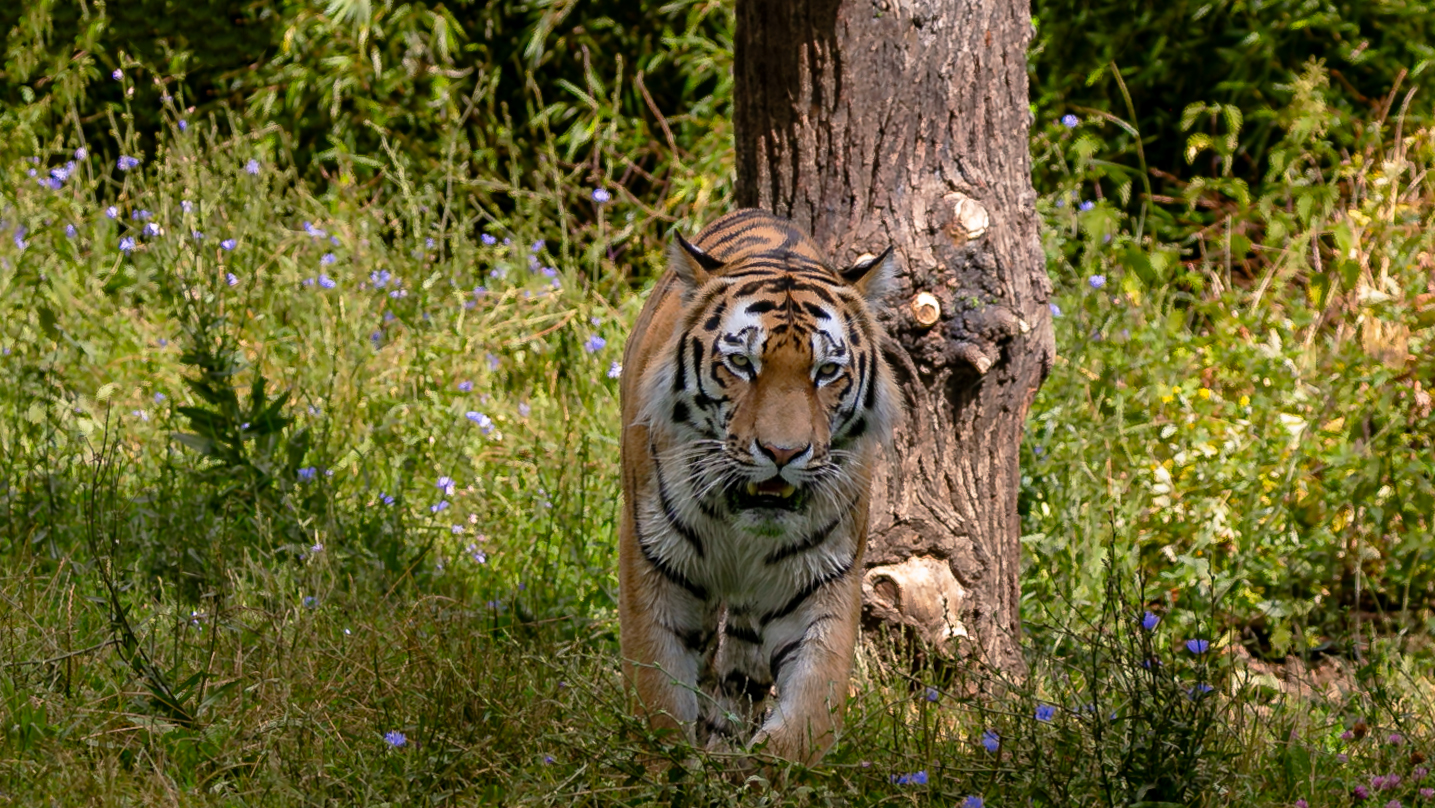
1229	57
312	439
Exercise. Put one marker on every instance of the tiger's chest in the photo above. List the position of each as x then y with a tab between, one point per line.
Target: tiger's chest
746	569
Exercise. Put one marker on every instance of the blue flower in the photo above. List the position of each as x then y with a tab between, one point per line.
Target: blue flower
1199	690
252	166
548	759
125	163
991	740
127	244
310	602
439	507
972	802
488	239
151	229
307	473
537	245
326	281
1149	621
601	196
493	361
524	409
81	153
1086	205
931	694
484	422
140	215
186	206
196	235
379	279
117	75
477	554
230	279
1045	712
1198	646
395	738
1069	121
386	499
445	484
158	397
917	778
183	125
229	244
327	259
112	212
70	231
615	370
1096	281
1055	310
594	344
465	387
429	243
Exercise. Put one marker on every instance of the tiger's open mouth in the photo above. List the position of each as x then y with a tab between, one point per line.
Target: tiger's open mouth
772	493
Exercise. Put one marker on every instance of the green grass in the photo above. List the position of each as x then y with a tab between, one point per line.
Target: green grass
230	570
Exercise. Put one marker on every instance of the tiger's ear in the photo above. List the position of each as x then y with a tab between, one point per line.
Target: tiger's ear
693	266
872	276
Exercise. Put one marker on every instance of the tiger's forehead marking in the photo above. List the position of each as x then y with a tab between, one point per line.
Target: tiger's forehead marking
781	313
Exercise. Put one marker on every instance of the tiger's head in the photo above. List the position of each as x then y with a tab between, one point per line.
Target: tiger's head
774	391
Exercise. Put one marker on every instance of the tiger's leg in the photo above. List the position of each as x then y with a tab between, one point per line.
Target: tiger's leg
668	634
809	654
738	687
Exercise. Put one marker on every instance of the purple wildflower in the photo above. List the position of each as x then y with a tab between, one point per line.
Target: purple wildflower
484	422
488	239
1045	712
395	738
1149	621
615	370
125	163
252	167
991	740
465	386
1086	205
601	196
229	244
112	212
230	279
307	473
1198	646
327	282
1096	281
327	259
127	244
594	343
1069	121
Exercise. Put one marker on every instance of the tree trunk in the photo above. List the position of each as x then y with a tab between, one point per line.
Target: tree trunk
904	122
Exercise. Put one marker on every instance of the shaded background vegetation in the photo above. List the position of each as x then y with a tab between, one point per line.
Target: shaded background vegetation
322	413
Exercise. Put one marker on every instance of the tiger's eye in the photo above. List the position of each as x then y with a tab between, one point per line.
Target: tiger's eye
828	369
738	360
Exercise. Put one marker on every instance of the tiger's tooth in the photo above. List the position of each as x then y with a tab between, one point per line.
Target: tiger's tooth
752	489
787	491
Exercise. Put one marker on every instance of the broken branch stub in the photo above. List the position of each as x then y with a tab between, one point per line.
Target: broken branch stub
920	593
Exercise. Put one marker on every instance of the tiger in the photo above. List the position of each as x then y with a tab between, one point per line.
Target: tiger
755	403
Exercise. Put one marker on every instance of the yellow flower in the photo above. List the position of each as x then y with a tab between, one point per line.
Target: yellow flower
1204	392
1167	399
1245	401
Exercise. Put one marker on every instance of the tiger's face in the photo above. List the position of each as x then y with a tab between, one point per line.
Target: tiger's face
775	389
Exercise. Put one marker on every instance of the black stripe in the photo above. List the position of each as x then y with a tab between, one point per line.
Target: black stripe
761	307
695	589
694	639
747	635
680	412
814	540
671	513
807	591
779	657
869	376
680	378
739	685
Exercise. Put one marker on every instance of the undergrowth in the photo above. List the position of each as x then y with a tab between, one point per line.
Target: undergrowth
308	459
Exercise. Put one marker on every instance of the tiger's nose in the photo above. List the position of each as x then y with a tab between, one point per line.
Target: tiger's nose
781	455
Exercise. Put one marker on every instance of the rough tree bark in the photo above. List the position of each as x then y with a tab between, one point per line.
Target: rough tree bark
904	122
